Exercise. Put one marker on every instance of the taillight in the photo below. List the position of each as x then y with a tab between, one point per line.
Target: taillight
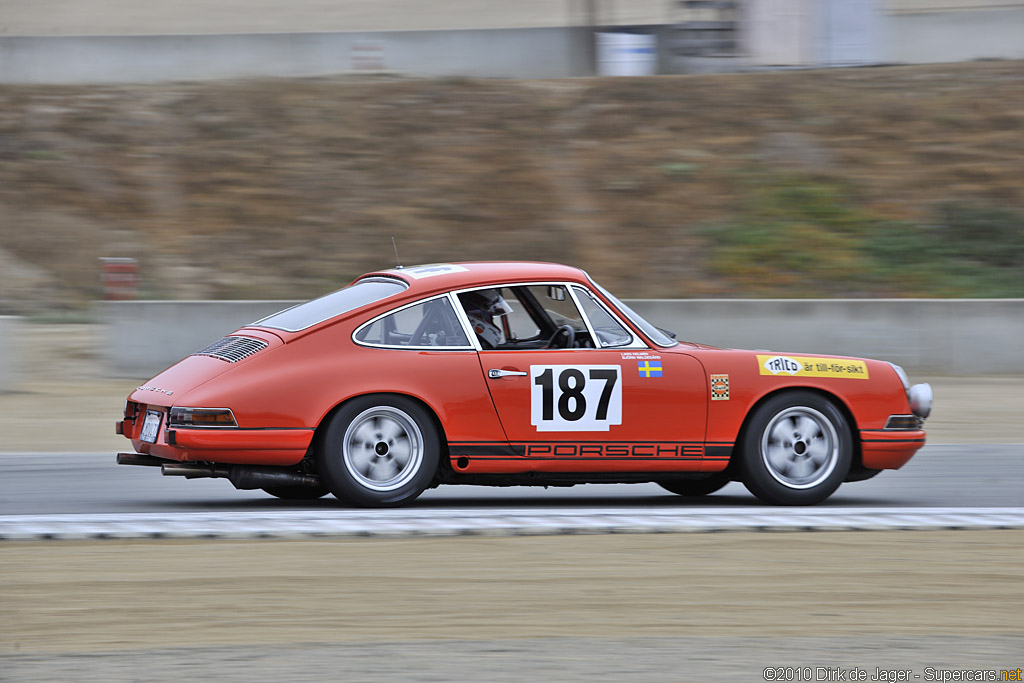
201	417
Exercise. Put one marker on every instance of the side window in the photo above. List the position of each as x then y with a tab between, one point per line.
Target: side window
428	324
493	317
520	325
609	332
559	306
526	317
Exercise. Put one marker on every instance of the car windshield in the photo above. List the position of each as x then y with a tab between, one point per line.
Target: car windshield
652	332
334	304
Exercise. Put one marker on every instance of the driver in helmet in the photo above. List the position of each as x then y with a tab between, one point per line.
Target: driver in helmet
484	307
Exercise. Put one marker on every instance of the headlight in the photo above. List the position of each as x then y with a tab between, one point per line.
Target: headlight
201	417
903	377
921	400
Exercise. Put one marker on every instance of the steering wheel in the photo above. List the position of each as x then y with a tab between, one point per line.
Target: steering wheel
570	337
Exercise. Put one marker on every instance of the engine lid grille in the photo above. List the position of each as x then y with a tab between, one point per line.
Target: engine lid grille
232	349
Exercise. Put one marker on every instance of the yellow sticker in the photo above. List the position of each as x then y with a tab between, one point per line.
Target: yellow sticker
804	366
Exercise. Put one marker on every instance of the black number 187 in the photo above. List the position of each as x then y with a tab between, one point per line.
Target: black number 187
572	404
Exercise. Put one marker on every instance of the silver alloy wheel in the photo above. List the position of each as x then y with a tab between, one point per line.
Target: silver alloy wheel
383	448
800	447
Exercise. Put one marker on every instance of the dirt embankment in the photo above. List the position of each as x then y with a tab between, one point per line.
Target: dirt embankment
287	188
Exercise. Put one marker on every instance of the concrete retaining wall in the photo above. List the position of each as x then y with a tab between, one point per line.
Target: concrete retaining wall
10	353
553	52
934	336
952	36
937	336
512	53
141	338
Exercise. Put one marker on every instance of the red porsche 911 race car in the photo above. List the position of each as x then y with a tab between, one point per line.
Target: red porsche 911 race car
511	374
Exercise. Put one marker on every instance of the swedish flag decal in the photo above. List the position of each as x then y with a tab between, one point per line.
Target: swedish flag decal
649	368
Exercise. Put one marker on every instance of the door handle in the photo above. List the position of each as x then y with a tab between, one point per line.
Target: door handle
498	374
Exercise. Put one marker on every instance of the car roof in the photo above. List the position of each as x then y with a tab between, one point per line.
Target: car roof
447	276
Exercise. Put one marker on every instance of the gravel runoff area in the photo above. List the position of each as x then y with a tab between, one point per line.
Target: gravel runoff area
557	658
664	607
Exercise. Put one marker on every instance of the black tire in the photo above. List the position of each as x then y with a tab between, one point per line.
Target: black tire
297	492
693	488
797	449
379	451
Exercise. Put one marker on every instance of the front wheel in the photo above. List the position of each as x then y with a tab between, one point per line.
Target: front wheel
797	449
379	451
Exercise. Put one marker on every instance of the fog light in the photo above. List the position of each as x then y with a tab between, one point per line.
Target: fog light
201	417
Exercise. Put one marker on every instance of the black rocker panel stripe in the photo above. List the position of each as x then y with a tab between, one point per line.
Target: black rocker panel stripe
596	450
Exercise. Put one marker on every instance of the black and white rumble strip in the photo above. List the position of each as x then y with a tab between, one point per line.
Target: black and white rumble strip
509	522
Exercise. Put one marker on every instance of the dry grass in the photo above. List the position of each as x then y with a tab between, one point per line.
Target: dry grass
282	189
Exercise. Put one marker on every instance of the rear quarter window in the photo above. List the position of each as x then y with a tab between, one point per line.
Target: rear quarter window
429	324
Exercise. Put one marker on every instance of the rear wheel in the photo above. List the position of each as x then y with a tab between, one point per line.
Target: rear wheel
797	449
379	451
694	487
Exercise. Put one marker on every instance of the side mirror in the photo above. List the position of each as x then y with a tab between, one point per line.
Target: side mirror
556	293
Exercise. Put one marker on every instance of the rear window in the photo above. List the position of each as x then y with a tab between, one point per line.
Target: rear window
305	315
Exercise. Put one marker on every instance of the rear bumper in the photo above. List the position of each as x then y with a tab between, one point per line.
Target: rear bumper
889	449
238	446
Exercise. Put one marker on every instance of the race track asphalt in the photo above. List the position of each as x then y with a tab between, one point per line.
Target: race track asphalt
952	476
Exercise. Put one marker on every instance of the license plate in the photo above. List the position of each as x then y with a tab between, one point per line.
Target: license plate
151	426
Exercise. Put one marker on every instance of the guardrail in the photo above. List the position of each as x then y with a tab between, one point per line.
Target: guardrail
934	336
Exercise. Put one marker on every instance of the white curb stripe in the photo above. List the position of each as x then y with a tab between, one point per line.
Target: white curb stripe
352	523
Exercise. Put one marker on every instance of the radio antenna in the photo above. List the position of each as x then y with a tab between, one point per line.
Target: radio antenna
397	260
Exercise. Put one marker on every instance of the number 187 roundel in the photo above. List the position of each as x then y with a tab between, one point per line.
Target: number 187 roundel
511	374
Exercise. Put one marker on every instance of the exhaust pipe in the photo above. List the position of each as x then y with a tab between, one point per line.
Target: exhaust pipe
139	459
241	476
192	470
265	477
